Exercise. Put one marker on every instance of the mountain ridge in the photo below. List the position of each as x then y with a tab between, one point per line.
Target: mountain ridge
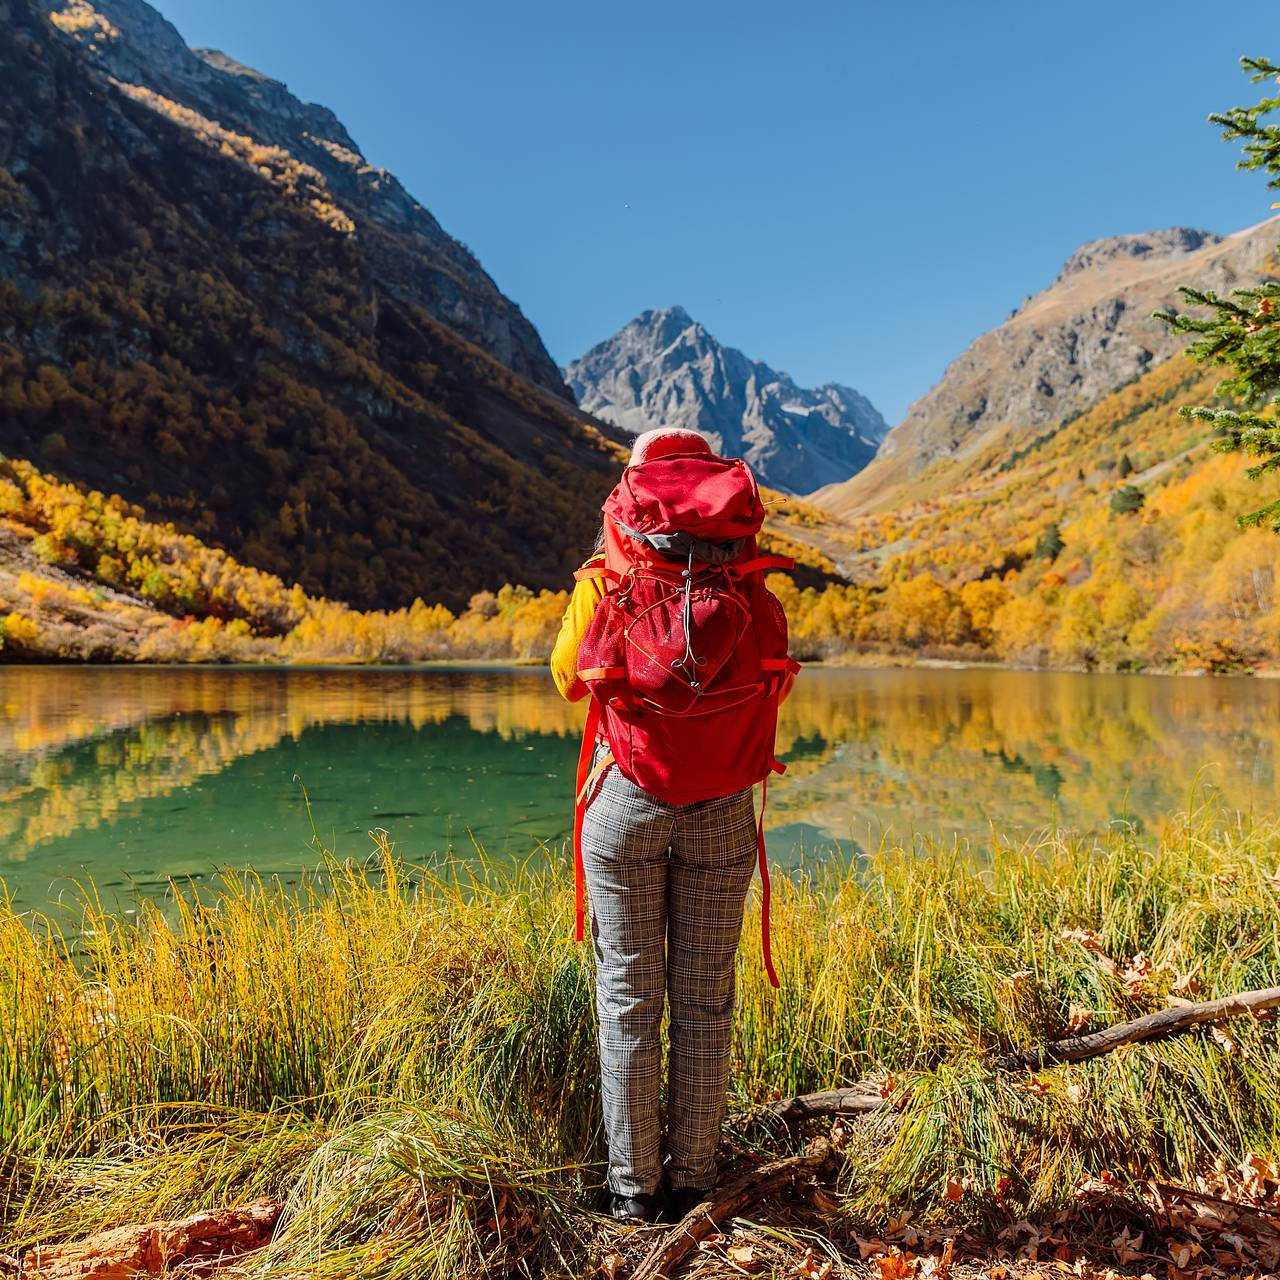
414	257
1088	332
664	368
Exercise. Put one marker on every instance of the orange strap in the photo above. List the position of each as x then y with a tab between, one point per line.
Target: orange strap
585	790
593	570
766	947
601	673
585	778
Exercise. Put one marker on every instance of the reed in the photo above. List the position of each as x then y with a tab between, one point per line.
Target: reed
406	1058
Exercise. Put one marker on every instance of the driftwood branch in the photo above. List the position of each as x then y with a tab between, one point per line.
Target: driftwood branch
152	1248
865	1098
858	1099
1154	1026
672	1248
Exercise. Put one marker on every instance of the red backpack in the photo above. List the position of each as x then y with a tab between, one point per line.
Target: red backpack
687	651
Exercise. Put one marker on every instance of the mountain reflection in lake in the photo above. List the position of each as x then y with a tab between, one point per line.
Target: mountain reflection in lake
136	774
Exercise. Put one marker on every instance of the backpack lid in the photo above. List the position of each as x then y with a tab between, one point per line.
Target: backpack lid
714	498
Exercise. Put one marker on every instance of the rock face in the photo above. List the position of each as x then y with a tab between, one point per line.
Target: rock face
665	370
1065	348
407	248
196	319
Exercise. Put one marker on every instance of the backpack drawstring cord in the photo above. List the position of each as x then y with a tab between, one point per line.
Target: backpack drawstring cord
690	662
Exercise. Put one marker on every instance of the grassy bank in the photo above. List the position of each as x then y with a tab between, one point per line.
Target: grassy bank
408	1061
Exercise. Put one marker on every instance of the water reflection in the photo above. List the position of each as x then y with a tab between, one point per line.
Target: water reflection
143	773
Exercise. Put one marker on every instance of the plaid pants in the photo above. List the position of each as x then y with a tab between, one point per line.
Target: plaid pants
666	885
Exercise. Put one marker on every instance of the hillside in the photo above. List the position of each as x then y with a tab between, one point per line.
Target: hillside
88	577
1105	541
194	319
664	369
1089	332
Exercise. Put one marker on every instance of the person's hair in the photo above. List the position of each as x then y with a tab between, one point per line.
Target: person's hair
598	545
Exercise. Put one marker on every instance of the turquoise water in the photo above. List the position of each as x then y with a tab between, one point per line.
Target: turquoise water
133	775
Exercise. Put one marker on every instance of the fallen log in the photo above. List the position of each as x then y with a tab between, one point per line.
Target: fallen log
152	1248
861	1099
675	1245
1154	1026
858	1099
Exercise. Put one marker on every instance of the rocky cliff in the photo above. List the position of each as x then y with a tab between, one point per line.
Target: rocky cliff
1088	333
406	248
665	369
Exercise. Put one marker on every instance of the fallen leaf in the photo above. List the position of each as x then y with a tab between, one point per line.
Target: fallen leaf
1137	974
1128	1247
1076	1093
1256	1173
888	1085
1078	1017
839	1135
1187	983
744	1256
953	1190
1089	939
811	1267
1225	1039
869	1248
1016	981
1033	1084
1107	965
613	1265
824	1203
712	1241
895	1266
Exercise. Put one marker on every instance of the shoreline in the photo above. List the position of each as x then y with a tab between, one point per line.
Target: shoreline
840	662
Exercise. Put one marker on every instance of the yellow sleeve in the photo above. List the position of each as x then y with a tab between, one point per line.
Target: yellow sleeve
587	593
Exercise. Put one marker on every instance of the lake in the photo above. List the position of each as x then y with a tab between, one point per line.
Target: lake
132	775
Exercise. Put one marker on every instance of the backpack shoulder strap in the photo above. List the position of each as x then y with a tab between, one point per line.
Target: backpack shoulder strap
594	568
760	564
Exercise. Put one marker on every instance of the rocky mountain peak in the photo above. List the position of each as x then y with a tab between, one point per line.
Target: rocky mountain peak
1169	243
665	369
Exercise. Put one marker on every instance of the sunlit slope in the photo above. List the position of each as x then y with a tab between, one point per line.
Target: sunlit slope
87	576
1117	524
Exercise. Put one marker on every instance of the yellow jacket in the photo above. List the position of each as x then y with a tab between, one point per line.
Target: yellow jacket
587	593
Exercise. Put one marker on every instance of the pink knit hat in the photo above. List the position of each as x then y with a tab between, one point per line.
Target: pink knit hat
664	442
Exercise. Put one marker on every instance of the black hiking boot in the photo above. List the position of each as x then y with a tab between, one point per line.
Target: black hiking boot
641	1208
682	1201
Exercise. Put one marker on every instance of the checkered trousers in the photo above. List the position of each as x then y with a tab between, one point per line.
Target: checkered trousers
666	885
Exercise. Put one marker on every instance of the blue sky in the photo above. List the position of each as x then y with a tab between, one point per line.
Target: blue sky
850	192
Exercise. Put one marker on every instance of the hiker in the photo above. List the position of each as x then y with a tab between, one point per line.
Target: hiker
683	651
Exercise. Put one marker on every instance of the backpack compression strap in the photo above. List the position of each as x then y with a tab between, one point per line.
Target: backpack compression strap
766	946
586	778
